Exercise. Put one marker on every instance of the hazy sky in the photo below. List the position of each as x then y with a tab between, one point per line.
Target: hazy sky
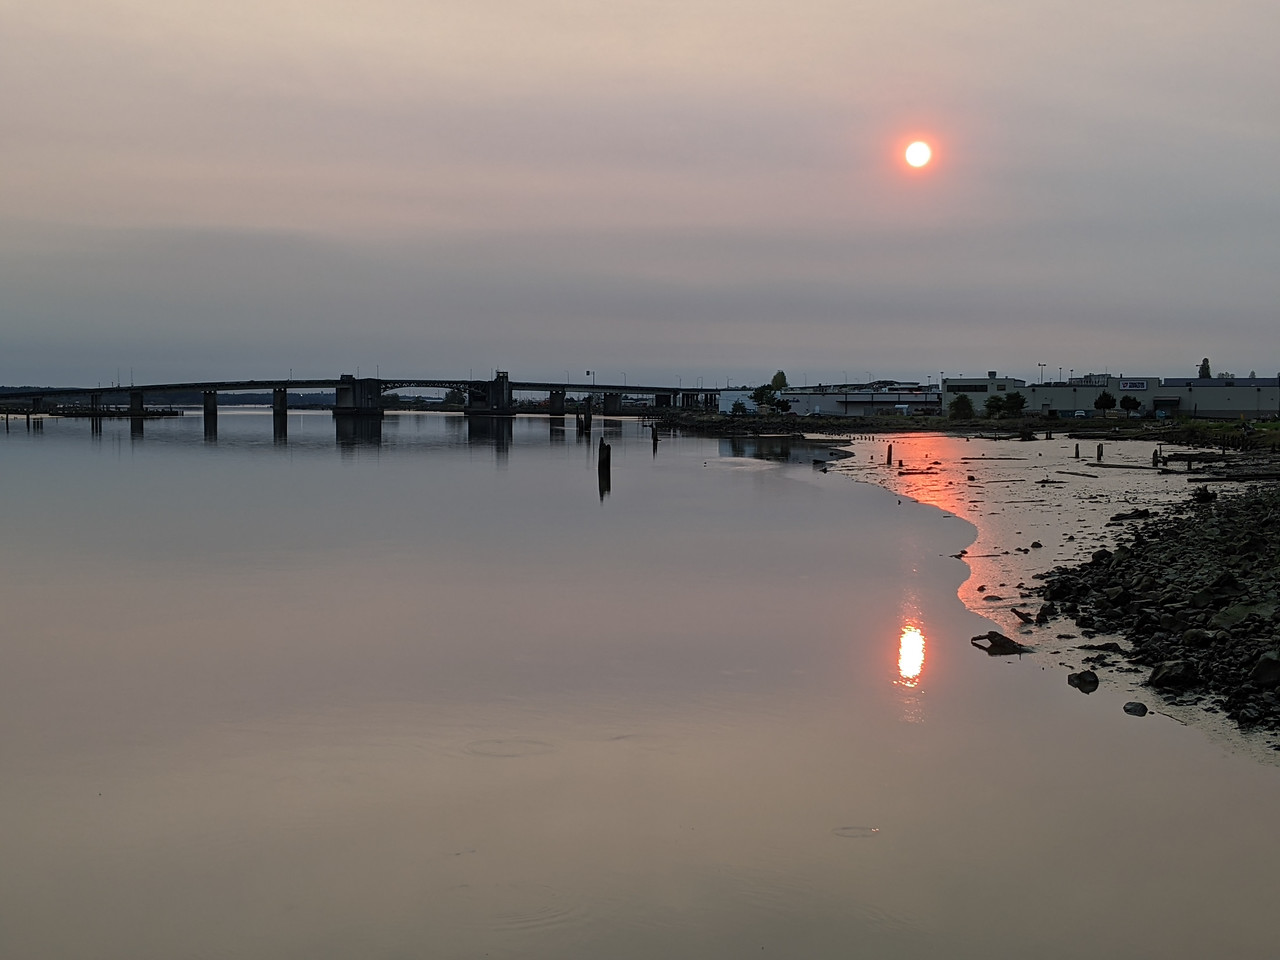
700	188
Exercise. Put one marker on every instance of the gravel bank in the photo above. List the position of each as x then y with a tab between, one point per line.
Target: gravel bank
1106	569
1195	593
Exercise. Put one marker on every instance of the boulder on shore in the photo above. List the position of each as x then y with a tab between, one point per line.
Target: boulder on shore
1266	672
1194	594
1086	681
1174	675
998	645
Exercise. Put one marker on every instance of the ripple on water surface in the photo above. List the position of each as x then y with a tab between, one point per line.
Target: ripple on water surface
856	833
510	747
538	907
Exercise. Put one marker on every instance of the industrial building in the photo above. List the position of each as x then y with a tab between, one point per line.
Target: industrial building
1207	397
879	398
1218	398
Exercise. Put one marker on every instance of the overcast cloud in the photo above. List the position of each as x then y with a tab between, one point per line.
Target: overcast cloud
714	189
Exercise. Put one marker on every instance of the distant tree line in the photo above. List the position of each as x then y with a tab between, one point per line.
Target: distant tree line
766	398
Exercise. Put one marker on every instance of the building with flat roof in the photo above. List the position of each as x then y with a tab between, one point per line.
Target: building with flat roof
880	398
1216	398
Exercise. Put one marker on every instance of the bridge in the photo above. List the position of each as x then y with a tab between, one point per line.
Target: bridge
358	402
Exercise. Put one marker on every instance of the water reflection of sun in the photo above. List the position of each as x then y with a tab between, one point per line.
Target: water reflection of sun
910	656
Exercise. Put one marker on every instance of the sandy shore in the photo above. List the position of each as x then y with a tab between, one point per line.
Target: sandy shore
1026	526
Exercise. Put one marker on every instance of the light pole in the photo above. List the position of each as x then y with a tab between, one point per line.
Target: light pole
1059	374
624	379
1041	366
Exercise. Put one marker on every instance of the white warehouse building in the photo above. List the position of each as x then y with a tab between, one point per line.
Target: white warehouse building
1208	397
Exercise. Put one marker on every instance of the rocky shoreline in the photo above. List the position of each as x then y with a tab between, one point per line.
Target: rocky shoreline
1195	595
1098	561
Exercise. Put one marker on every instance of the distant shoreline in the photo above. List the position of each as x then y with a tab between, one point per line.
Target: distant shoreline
1194	433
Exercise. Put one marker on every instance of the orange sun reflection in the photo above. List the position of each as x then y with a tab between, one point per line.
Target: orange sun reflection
910	656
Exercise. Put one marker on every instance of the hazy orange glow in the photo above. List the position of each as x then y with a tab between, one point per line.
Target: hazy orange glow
910	655
919	153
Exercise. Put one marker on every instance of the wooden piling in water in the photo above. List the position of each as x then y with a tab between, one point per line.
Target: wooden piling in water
604	458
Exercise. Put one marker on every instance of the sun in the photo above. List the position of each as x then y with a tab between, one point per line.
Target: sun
919	154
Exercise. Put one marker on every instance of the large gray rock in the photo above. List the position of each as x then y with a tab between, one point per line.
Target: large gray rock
1231	616
1202	598
1197	637
1174	675
1266	672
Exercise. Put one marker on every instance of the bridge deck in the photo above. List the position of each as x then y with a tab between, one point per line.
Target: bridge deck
432	383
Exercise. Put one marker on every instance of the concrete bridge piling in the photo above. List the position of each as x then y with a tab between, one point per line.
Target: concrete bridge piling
357	410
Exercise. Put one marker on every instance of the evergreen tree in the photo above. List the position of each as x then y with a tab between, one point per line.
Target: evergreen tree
961	408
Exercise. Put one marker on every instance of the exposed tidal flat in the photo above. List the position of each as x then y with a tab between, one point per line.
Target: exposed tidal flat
1108	564
436	697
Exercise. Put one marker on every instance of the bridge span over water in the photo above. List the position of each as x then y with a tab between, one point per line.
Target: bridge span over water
357	400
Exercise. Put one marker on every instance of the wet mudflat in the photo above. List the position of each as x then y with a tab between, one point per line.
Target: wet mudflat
438	697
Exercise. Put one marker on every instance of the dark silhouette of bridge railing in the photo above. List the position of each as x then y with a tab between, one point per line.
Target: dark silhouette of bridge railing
356	399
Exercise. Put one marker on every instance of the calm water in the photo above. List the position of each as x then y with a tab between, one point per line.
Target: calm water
438	698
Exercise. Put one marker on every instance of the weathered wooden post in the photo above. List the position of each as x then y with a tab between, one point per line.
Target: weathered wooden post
1077	451
604	457
279	414
889	459
210	414
1099	453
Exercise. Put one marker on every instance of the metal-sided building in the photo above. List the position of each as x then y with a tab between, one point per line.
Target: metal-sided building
1212	398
